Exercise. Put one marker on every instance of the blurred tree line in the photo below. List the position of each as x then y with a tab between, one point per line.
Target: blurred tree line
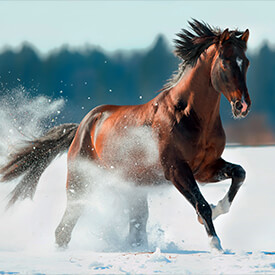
90	77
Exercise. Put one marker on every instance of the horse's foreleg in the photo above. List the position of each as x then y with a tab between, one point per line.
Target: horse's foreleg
222	170
182	177
138	216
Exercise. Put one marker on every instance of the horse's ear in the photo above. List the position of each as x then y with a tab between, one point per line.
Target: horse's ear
224	36
245	35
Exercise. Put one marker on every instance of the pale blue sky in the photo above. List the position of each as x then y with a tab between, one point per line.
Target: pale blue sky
125	24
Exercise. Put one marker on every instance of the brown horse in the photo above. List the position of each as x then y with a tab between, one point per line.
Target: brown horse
177	136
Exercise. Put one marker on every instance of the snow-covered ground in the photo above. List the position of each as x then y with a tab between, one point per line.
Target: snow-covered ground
178	242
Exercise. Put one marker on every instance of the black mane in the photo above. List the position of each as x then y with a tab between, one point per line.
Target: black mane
191	44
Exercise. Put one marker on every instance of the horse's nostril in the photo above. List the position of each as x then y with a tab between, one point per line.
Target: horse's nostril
238	105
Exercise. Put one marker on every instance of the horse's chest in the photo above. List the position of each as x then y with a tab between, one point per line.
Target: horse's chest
203	156
199	147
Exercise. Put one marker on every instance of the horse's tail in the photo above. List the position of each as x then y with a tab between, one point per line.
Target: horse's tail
31	160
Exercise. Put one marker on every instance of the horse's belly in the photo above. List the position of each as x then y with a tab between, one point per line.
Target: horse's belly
134	152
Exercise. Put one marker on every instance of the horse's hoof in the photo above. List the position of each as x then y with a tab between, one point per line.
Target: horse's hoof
62	240
215	244
61	244
60	247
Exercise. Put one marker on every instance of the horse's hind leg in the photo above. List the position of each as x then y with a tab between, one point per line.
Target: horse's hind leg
138	216
222	170
80	149
64	230
73	211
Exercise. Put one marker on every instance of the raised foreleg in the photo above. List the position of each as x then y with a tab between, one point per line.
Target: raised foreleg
221	170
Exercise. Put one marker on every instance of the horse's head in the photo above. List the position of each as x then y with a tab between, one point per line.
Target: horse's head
228	72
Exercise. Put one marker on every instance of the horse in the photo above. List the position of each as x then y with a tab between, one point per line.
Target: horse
176	137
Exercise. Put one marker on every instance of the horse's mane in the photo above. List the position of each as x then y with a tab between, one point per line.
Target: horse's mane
191	44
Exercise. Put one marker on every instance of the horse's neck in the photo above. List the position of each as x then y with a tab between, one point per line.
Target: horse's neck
196	90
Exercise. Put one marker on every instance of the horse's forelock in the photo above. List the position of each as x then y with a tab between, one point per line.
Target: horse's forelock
235	38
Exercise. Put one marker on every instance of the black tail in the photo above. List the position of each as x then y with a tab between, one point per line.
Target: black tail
32	159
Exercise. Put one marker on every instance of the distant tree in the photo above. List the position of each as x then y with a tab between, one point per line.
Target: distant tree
90	77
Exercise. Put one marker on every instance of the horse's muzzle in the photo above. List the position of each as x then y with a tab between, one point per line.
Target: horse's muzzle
240	108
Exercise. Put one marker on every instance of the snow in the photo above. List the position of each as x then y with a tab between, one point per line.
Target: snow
178	243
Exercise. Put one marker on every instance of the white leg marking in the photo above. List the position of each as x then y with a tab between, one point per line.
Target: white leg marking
222	207
215	244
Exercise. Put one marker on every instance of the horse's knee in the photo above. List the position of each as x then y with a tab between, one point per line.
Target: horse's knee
238	173
204	210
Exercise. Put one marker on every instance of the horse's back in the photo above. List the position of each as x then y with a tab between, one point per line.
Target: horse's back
82	145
